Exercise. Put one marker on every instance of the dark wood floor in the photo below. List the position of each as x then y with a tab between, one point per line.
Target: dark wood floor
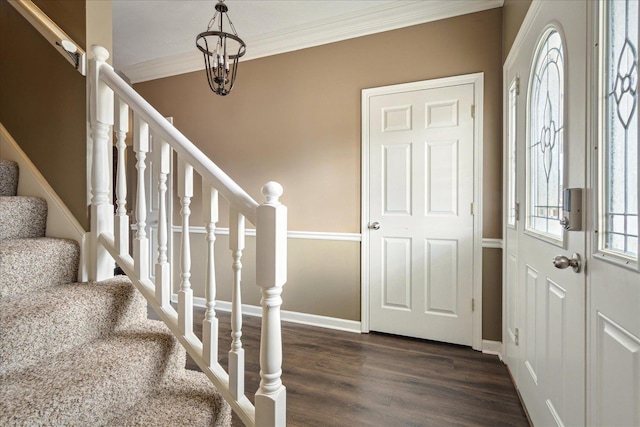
338	378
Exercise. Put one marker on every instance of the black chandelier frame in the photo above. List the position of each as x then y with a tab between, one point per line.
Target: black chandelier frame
221	64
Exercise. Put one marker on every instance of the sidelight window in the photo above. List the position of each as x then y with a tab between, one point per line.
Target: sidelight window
512	214
618	133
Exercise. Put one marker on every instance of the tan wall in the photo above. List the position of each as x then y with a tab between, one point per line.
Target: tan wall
296	118
319	271
99	18
68	15
513	13
492	294
42	102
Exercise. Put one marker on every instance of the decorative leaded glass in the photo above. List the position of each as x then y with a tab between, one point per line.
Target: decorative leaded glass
620	137
546	138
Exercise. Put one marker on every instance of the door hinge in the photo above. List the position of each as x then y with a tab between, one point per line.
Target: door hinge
473	304
473	111
472	208
517	337
517	211
517	86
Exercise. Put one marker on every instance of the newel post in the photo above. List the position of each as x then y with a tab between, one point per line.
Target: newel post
101	264
271	275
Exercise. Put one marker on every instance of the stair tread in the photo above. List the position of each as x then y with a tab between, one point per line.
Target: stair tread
68	314
89	384
78	354
187	398
22	217
9	173
27	265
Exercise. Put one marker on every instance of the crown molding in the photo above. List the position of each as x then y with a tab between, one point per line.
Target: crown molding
384	18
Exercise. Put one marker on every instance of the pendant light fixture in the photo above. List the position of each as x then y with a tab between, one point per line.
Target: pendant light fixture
221	51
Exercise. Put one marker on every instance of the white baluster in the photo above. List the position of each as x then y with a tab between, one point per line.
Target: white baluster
185	295
163	276
121	219
271	275
141	242
210	323
101	115
236	354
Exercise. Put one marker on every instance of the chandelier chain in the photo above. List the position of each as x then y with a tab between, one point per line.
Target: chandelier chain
213	21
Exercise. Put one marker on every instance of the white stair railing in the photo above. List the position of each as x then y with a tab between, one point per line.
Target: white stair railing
109	240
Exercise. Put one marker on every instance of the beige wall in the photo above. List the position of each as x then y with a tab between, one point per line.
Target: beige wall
99	18
513	13
296	118
69	15
492	293
320	278
42	102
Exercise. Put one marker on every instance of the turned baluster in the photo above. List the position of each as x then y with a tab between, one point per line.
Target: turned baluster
236	354
185	294
121	219
100	264
271	275
162	271
141	242
210	323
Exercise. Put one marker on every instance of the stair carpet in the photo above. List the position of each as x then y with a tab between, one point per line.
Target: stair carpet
83	354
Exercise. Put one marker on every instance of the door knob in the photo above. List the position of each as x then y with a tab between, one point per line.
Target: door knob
563	262
374	226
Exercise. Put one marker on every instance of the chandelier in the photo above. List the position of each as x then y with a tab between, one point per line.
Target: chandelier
221	51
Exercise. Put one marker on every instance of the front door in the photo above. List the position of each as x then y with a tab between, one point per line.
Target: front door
420	211
545	295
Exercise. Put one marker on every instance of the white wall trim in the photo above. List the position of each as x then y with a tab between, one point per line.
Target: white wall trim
524	29
492	347
477	79
490	243
331	30
287	316
307	235
60	221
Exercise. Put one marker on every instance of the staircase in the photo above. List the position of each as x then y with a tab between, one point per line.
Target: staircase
79	354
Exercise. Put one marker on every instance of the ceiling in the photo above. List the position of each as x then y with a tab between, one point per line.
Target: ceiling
156	38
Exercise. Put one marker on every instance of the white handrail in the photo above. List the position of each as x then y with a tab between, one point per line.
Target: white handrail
181	144
154	135
69	49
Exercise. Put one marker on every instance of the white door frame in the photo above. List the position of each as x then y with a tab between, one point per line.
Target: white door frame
477	79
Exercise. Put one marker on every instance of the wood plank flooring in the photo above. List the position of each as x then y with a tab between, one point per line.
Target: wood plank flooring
338	378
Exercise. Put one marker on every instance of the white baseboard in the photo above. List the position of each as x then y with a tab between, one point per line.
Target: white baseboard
286	316
492	347
60	221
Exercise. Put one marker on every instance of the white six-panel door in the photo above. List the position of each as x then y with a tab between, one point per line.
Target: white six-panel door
421	224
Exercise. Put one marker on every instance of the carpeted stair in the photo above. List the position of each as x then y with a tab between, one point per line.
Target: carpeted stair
83	354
